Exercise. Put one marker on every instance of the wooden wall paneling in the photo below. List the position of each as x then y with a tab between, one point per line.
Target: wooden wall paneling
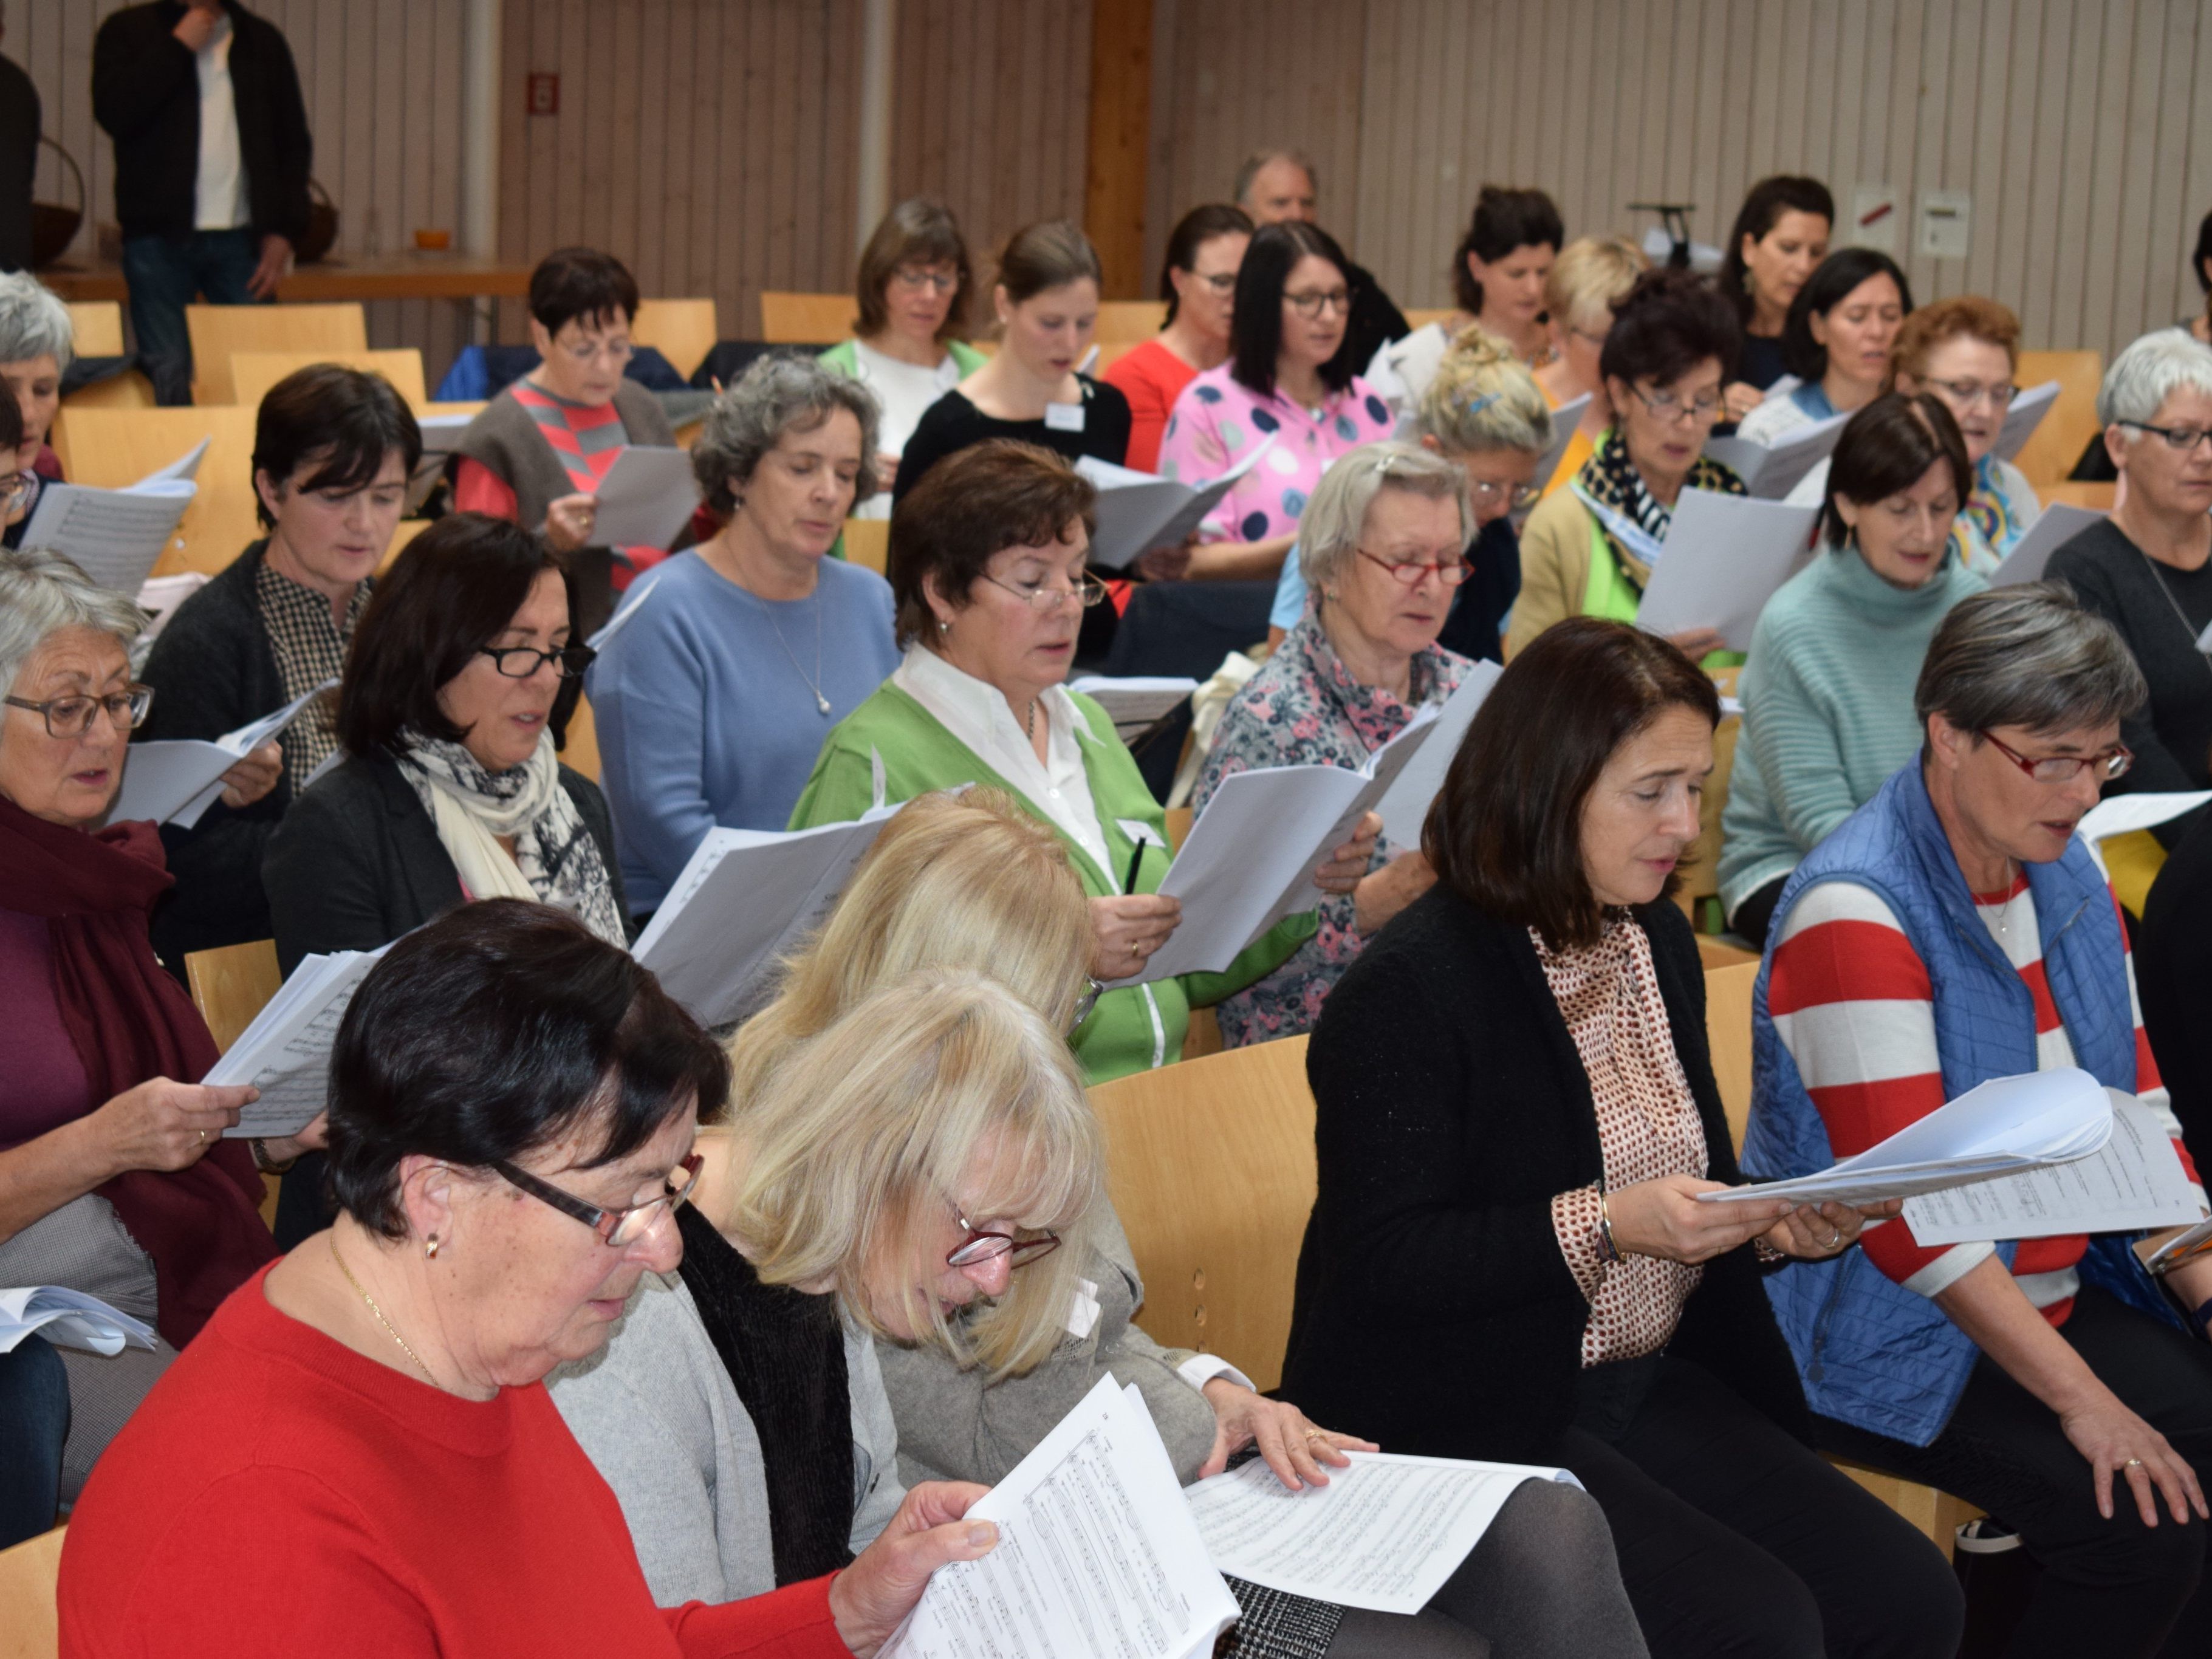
2174	213
2198	174
2120	306
1118	143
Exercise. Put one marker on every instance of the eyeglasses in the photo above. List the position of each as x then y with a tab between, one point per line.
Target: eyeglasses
1408	573
1514	496
1671	406
1092	990
1970	392
14	487
914	280
1585	334
618	351
989	1247
2064	769
1219	282
1087	593
1311	304
621	1228
2183	438
71	717
519	662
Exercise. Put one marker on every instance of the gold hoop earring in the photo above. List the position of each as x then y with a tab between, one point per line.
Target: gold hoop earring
430	1247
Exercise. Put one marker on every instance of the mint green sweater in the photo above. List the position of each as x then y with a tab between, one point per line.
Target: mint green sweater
1827	708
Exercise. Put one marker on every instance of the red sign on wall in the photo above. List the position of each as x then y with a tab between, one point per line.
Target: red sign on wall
545	95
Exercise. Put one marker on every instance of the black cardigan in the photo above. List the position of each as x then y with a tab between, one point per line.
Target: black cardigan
213	669
1435	1313
146	94
2173	964
357	861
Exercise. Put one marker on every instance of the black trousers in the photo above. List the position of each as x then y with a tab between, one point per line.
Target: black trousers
1735	1539
2114	1589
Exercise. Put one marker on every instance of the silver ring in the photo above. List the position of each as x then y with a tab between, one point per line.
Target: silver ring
203	1137
2133	1463
1835	1239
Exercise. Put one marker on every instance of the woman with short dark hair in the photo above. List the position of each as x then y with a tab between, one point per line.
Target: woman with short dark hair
909	345
1780	236
1588	550
535	454
1507	1258
1198	280
1499	274
333	448
513	1104
450	788
1837	341
1826	713
1289	379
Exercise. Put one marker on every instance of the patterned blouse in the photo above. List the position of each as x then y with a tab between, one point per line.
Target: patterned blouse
309	648
1216	421
1647	1126
1303	708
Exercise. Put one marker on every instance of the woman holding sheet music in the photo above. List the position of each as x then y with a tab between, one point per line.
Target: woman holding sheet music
1842	328
37	341
1780	236
450	788
1954	930
1965	352
1516	1113
986	564
115	1178
1590	277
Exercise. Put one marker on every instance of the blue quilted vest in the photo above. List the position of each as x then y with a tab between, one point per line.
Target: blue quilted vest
1869	1351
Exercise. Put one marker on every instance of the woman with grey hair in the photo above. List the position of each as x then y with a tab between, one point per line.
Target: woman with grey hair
115	1178
35	347
1953	931
2147	568
713	697
1381	547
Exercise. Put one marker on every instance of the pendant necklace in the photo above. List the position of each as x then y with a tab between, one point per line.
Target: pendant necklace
814	684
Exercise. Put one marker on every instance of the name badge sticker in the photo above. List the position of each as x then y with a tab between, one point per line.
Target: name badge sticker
1064	417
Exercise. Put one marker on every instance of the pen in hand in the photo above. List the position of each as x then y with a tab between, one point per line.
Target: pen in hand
1136	859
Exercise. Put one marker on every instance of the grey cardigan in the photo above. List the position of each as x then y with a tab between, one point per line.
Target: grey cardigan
504	438
956	1424
657	1414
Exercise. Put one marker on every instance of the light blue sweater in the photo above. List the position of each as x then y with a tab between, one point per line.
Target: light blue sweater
1827	708
704	714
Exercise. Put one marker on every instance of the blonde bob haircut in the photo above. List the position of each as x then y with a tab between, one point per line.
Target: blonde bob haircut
1336	518
1484	398
1588	278
968	881
942	1091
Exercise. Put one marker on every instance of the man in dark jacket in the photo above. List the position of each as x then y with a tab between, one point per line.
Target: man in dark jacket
212	158
1275	184
19	156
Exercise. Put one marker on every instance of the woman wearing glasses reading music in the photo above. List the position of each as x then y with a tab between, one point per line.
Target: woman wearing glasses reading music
1198	280
1954	930
987	559
2147	568
1288	377
361	1437
1964	351
449	789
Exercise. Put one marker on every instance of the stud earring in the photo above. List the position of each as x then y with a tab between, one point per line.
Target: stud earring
943	626
430	1247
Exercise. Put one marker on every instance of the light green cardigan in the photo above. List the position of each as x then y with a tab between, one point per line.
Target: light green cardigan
1129	1030
847	361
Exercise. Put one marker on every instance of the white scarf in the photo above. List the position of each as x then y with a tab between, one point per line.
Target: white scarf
555	860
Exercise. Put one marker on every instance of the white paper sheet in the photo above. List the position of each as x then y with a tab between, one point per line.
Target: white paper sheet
175	780
285	1052
158	597
1097	1555
1384	1533
2059	523
2007	1126
2021	421
743	899
1565	419
632	603
1725	556
69	1319
1137	701
1139	511
2135	1180
1404	803
2117	815
1771	471
644	497
114	535
442	432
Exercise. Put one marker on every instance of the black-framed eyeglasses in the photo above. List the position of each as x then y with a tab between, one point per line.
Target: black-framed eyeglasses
1087	593
1221	281
1311	304
915	278
618	1229
2064	769
1408	573
71	717
989	1247
1672	406
2185	439
519	662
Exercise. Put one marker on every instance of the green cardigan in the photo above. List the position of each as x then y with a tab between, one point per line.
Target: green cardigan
1129	1030
847	361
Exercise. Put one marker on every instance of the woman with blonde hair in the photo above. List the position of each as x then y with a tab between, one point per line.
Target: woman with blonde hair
1591	274
886	1184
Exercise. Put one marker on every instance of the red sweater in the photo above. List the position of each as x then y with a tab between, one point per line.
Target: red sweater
278	1493
1151	378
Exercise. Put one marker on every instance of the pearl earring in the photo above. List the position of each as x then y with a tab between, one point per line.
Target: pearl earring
943	626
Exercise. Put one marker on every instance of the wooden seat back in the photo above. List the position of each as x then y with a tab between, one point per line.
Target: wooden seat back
1210	1166
252	373
231	984
113	448
96	327
30	1627
789	319
218	331
868	542
682	331
2056	444
1130	322
1728	1036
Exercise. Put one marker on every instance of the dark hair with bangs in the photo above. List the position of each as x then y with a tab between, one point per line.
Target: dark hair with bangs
1255	327
1667	324
571	282
995	494
1504	832
1192	232
451	591
340	422
1504	220
1885	449
1828	286
1762	210
495	1031
918	231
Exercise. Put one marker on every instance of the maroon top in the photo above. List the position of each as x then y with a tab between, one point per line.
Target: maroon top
44	1083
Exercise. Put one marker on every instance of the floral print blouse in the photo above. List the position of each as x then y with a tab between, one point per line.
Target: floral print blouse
1216	421
1303	708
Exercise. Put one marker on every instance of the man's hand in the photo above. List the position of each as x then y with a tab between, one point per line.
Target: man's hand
275	259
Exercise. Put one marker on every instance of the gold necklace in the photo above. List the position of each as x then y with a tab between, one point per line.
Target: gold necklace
379	1312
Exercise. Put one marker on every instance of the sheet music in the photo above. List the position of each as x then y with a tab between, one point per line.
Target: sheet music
1384	1533
185	467
72	1319
644	497
1770	470
1725	556
1404	803
285	1052
2059	523
2135	1180
1137	512
1135	701
176	779
114	535
1565	419
2027	413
